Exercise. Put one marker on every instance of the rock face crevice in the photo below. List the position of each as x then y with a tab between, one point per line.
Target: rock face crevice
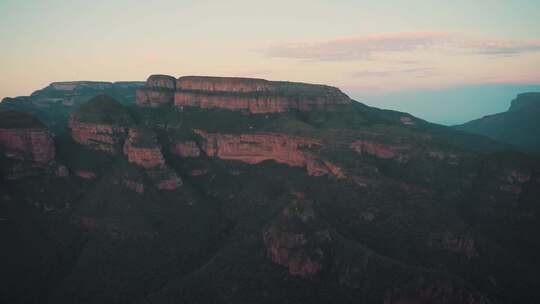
238	94
281	148
142	149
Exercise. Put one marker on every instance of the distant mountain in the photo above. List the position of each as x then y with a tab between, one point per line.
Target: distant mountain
53	104
519	126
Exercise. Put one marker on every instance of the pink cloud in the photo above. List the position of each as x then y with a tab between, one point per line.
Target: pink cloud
366	47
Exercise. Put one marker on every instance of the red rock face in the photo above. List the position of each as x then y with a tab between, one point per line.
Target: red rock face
223	84
255	148
298	241
153	98
380	150
253	104
102	137
161	81
33	144
258	105
85	174
141	148
165	178
186	149
158	91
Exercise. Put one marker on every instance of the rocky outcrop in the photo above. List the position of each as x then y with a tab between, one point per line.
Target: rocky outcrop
142	148
23	137
101	124
299	241
186	149
158	91
86	174
255	148
165	178
380	150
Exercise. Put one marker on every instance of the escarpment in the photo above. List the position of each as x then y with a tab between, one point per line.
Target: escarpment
282	148
25	138
100	124
238	94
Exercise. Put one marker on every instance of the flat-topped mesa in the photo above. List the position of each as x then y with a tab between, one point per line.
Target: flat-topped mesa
255	95
101	124
158	91
238	94
24	137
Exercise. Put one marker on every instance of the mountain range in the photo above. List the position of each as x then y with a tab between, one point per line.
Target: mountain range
235	190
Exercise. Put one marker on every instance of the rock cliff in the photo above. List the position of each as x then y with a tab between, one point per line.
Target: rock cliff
158	91
255	148
23	137
141	148
238	94
100	124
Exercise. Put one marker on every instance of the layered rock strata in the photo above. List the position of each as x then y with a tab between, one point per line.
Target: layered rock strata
238	94
158	91
255	148
100	124
23	137
143	149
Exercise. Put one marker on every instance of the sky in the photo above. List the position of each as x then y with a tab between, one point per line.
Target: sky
410	55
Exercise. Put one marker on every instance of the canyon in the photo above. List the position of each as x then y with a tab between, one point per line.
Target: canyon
232	190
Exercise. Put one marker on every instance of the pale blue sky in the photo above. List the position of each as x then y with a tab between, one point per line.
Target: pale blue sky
368	48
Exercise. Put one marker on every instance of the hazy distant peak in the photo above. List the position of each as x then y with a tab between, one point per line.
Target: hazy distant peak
525	100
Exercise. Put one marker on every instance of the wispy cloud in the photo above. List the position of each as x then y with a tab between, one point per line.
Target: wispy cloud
417	72
366	47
